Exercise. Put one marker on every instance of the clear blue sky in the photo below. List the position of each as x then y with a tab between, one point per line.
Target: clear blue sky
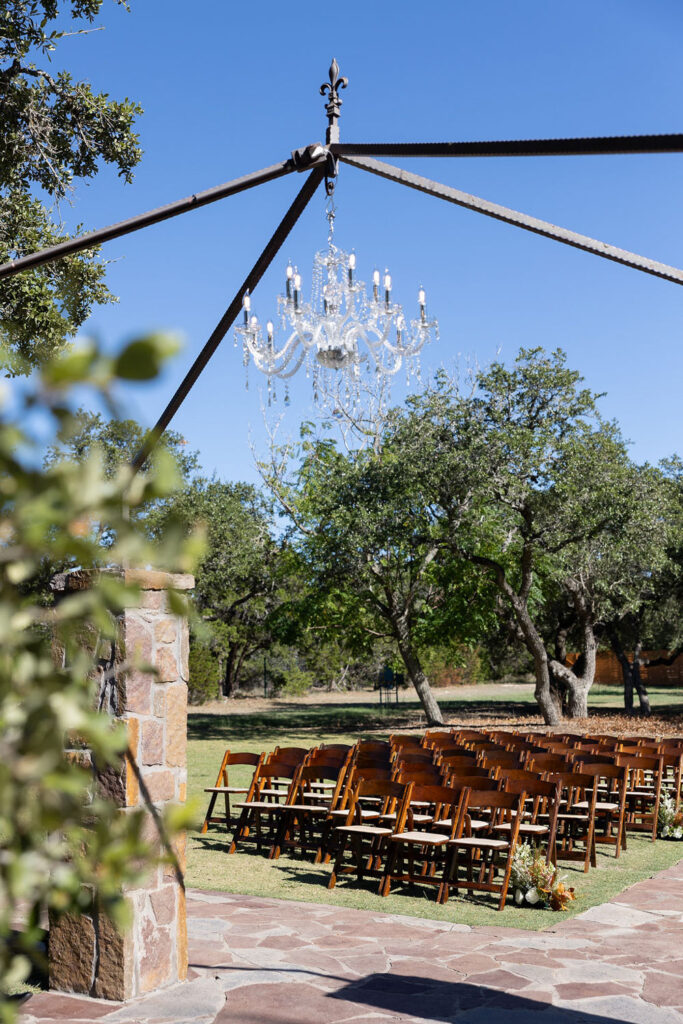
228	88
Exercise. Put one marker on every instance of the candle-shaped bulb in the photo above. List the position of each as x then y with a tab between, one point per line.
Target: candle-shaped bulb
269	329
421	297
254	323
297	281
246	302
375	278
352	261
290	270
387	280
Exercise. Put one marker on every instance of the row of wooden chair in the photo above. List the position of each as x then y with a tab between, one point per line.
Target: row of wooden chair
401	809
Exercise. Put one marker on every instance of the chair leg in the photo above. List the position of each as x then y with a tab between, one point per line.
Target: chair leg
339	860
209	812
385	881
506	880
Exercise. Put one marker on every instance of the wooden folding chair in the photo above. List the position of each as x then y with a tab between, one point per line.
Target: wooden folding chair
501	759
368	838
548	763
338	811
438	739
223	787
672	768
643	793
264	802
610	804
303	814
542	806
419	842
486	853
576	818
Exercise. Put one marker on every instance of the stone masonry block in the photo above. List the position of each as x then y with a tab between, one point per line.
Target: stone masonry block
160	784
176	725
180	849
164	904
166	664
138	639
159	701
166	631
71	951
114	977
152	747
181	936
153	600
139	692
184	651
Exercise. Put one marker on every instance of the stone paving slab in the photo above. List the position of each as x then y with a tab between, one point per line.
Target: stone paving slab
265	961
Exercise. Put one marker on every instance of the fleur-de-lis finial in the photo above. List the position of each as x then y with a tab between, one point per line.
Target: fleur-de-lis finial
334	103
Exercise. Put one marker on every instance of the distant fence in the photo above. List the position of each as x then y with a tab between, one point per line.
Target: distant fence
608	669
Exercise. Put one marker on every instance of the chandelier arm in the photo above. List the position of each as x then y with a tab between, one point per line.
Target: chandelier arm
596	145
297	366
271	249
281	357
379	346
144	220
520	220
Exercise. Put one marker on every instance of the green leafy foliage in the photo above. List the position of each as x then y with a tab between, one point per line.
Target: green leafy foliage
55	131
62	844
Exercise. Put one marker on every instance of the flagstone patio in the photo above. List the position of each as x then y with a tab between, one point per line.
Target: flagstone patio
265	961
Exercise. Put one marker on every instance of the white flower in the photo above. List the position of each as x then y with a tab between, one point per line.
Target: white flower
519	897
532	896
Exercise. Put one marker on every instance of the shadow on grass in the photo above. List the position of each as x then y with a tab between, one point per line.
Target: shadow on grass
360	717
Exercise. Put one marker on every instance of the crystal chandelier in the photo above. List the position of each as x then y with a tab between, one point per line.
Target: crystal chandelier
340	329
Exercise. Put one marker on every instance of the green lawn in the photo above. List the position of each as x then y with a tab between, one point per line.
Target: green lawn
298	879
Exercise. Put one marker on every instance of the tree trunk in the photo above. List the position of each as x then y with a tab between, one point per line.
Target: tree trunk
626	670
418	677
230	674
547	697
577	704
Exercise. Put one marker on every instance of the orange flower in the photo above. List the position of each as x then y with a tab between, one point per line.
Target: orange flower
560	896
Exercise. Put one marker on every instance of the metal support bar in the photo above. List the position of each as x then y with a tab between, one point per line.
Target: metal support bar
520	220
248	285
301	159
606	144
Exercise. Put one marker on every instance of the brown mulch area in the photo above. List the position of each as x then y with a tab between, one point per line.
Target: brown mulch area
659	724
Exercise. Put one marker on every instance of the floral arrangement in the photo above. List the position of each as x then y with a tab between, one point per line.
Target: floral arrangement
536	882
669	820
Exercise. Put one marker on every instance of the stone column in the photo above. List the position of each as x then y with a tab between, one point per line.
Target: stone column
86	954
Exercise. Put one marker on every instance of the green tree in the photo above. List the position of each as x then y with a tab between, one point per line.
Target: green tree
645	608
241	577
61	844
367	530
55	130
532	487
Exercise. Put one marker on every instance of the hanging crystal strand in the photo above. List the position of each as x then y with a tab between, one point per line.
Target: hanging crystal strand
287	401
270	389
330	213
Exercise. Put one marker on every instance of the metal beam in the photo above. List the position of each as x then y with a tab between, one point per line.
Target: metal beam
520	220
143	220
604	144
225	323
